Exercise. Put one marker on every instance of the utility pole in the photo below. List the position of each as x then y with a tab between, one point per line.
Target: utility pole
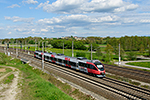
38	45
119	55
16	50
25	46
45	45
42	57
63	47
91	51
13	46
8	49
35	45
5	48
72	50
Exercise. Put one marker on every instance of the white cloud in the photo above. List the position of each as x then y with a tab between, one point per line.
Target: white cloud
44	30
9	32
12	6
30	1
78	20
126	8
30	7
1	28
18	19
33	30
84	6
79	24
145	20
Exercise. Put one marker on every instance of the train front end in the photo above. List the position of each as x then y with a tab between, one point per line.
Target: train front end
100	68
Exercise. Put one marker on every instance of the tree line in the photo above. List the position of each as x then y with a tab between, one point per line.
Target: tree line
127	43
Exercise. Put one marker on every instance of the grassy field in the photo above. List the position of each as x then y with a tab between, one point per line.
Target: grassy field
67	52
36	85
104	58
142	64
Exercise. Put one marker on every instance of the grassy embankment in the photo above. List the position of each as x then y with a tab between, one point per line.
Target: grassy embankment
142	64
37	85
9	78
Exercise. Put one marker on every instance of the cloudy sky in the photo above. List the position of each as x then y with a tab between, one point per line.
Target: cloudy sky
57	18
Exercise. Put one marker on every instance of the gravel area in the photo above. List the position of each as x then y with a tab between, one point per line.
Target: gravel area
10	91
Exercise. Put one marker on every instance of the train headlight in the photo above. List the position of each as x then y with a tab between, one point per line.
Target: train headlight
102	73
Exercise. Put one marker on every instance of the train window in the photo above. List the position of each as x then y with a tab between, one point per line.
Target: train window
72	63
36	53
92	67
55	59
82	64
47	57
65	61
99	66
51	58
40	56
87	65
59	60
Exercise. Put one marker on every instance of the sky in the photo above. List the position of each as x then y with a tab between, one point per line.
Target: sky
82	18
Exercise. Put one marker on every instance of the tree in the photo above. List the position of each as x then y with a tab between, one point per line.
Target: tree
131	55
141	48
109	51
149	49
94	46
31	42
79	45
99	52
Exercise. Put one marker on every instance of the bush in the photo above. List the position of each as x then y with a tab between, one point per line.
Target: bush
131	55
3	58
80	54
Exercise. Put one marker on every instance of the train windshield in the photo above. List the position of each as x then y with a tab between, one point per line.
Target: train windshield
99	66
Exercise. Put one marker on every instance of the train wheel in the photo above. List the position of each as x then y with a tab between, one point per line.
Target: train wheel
94	75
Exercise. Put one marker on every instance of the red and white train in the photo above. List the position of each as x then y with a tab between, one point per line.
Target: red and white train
94	67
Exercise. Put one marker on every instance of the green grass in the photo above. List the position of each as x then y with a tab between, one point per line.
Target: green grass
37	85
33	86
142	64
9	79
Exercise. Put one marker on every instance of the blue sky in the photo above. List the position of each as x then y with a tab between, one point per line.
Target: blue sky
83	18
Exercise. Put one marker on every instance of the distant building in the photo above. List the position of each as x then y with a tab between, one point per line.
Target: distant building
75	37
79	38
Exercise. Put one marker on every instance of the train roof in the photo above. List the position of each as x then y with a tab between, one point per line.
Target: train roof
81	58
73	59
59	54
38	51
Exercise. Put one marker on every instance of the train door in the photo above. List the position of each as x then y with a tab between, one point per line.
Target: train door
93	69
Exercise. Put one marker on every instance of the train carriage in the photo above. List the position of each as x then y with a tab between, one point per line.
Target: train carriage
94	67
37	54
59	59
47	57
73	63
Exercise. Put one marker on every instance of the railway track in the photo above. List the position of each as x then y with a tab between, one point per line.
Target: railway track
119	89
122	89
107	87
140	75
129	73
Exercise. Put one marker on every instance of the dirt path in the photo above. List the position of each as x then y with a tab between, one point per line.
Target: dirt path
11	90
